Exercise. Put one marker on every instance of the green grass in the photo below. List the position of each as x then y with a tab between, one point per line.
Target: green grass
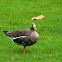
17	14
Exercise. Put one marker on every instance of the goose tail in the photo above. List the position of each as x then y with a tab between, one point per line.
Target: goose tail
5	32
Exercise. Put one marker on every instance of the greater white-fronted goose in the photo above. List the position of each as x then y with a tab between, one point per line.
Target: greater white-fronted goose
23	37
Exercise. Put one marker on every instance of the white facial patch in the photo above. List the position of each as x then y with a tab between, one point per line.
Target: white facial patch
34	26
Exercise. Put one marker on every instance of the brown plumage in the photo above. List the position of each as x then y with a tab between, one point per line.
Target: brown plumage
23	37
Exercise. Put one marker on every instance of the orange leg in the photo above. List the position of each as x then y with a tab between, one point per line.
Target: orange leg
24	49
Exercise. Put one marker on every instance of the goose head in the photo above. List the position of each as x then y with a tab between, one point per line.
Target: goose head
33	26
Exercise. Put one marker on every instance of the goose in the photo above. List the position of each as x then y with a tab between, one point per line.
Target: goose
24	37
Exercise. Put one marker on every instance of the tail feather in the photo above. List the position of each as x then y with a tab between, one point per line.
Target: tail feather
5	32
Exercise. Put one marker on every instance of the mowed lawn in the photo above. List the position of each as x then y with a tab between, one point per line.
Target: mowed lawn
17	14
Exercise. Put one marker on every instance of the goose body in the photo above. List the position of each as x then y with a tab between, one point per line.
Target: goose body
23	37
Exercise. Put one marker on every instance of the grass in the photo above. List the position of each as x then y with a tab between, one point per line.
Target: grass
17	14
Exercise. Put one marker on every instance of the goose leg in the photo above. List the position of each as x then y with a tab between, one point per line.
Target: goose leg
24	49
